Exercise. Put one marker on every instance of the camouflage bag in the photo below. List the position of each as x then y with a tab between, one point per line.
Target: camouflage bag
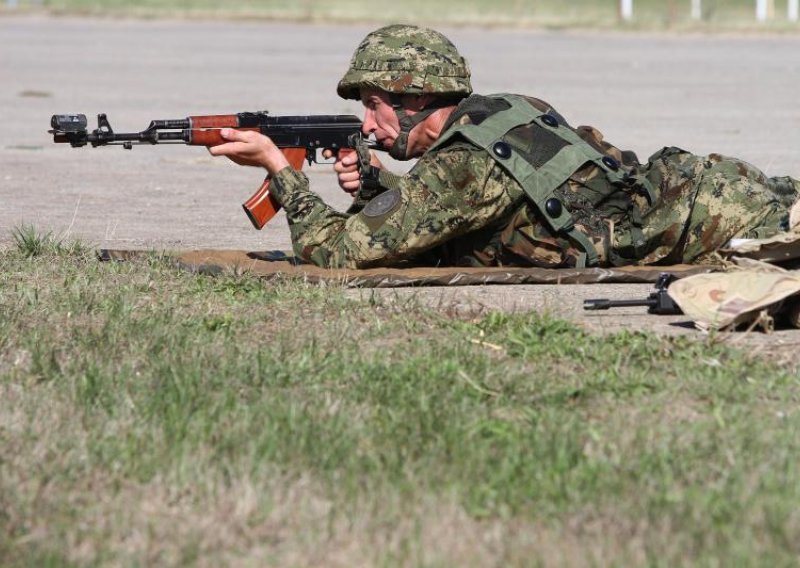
732	299
783	247
754	292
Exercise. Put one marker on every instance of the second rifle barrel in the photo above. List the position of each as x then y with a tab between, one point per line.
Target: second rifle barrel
178	136
605	304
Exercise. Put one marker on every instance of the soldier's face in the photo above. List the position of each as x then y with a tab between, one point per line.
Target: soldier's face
380	120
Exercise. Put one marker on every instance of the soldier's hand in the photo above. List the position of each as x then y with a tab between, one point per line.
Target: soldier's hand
346	168
250	148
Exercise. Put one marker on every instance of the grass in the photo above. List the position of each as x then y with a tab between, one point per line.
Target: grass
552	13
152	416
31	243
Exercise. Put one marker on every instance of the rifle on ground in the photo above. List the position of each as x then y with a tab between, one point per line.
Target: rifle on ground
658	302
299	137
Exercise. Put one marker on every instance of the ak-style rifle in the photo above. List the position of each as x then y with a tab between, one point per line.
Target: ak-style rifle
658	302
299	137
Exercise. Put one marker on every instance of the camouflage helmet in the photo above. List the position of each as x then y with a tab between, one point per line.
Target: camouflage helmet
406	60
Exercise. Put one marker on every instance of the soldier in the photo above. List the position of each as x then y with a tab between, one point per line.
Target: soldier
503	180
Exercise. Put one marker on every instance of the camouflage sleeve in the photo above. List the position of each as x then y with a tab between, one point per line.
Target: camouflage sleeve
447	194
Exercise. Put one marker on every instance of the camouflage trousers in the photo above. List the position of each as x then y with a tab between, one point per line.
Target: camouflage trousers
702	202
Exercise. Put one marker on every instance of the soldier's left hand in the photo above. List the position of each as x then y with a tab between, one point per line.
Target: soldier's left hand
250	148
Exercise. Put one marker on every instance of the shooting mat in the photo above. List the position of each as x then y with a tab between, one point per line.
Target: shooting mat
277	264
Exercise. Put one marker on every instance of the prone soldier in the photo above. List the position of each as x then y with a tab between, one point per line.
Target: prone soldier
504	180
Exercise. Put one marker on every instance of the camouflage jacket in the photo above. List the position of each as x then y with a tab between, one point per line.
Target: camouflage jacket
458	207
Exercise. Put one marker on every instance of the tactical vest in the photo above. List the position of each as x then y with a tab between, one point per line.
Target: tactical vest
541	153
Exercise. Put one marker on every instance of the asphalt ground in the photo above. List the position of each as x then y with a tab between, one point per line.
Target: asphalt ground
736	95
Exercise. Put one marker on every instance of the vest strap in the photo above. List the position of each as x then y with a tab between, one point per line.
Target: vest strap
539	184
589	256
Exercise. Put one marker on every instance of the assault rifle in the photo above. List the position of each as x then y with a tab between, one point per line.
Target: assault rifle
298	136
658	302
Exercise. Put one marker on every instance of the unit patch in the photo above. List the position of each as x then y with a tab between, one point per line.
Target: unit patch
382	204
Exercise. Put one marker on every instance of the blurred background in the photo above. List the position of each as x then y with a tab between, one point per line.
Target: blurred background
778	15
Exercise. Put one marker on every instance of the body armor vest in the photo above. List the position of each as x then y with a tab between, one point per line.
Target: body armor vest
542	153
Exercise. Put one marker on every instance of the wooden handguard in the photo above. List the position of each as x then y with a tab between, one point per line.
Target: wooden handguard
215	121
210	137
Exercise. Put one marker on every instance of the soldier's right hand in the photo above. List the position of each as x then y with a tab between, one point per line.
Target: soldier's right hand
346	168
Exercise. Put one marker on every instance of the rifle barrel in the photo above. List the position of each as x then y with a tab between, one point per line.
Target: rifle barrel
604	304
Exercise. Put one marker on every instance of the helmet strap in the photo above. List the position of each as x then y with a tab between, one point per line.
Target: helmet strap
399	149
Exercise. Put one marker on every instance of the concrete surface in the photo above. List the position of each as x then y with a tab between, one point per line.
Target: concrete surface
727	94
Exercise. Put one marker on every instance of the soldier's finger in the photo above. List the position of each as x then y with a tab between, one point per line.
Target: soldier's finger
235	135
228	149
350	186
349	176
341	168
348	159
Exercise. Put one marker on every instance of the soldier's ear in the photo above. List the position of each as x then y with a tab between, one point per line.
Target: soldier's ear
432	132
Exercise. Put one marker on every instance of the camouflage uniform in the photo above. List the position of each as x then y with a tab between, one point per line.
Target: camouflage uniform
461	204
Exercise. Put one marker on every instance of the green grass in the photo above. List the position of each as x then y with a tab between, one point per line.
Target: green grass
152	416
31	243
556	13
